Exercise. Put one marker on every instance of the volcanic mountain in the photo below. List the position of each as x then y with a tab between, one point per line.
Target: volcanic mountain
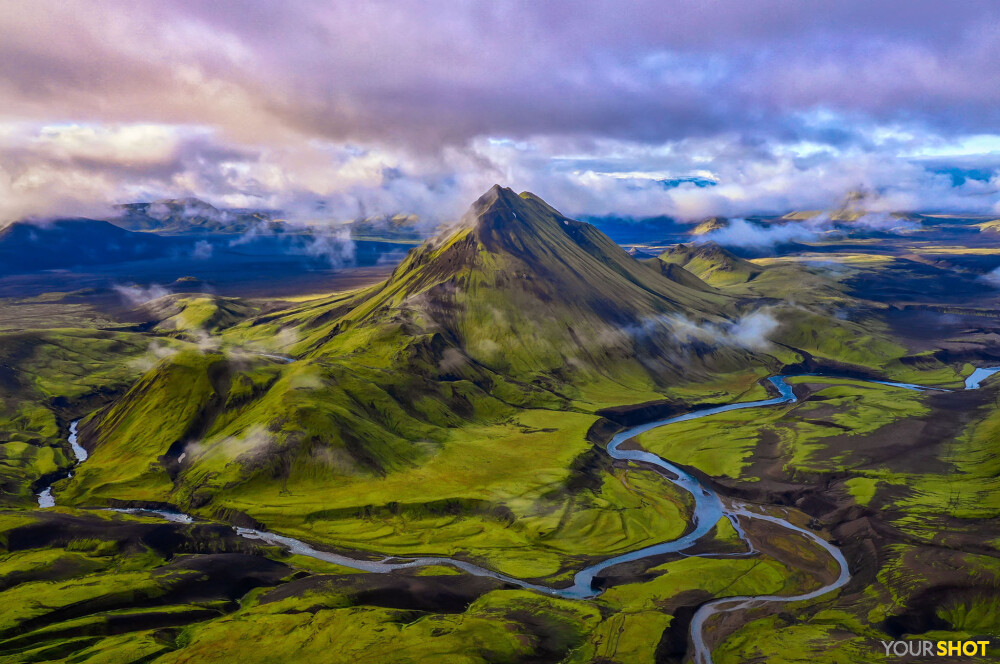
520	288
517	306
65	243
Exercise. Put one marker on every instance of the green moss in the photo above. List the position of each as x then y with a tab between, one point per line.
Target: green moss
503	626
773	640
862	489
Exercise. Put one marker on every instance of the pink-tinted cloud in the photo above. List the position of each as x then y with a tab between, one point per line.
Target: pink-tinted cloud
340	107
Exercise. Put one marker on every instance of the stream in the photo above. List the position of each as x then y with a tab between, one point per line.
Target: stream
708	509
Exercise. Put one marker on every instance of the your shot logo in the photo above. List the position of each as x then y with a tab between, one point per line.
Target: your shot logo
951	649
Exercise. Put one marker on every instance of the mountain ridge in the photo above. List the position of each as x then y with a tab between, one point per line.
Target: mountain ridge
70	242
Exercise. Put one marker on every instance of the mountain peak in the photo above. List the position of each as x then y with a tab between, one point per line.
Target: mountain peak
497	200
503	220
508	238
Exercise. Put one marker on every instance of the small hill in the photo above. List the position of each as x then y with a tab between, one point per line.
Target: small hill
67	243
989	226
712	264
185	312
709	225
191	215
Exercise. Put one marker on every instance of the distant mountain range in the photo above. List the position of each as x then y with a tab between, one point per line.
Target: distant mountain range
395	227
191	215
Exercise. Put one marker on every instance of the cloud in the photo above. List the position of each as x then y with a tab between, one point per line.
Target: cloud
748	235
334	246
243	447
751	331
992	277
452	360
742	233
382	73
332	112
138	295
202	250
881	221
329	242
157	351
256	230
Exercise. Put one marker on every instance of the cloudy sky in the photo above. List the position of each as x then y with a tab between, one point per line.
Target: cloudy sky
331	110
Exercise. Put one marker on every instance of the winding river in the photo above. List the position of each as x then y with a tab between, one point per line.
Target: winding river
708	509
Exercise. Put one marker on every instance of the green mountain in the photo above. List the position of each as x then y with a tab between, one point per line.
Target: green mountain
517	307
196	311
711	263
519	290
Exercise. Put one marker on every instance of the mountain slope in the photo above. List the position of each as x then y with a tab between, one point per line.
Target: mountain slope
674	272
712	264
197	311
709	225
526	292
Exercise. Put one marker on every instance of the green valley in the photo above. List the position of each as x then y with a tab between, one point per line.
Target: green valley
465	409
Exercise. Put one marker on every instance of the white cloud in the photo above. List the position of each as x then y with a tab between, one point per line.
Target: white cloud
244	446
336	247
137	295
751	331
131	143
202	250
993	277
742	233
